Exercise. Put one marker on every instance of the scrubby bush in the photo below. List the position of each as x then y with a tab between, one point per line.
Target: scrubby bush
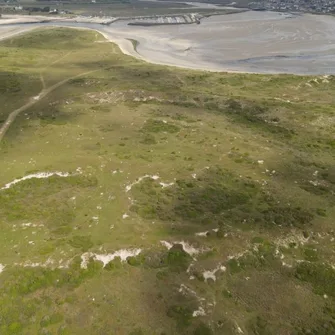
182	315
320	276
149	139
177	259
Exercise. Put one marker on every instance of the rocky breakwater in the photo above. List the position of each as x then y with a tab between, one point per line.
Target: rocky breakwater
166	20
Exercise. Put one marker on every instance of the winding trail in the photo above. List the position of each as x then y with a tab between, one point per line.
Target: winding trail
33	100
53	63
42	81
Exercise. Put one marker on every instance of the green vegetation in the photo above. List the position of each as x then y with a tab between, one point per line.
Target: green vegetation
177	259
319	275
135	43
149	139
217	196
113	8
225	187
82	242
182	315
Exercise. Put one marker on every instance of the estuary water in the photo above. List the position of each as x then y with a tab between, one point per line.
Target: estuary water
258	42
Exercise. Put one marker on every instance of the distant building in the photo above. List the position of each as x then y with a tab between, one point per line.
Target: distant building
313	6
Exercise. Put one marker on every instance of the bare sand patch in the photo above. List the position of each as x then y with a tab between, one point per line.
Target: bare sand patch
187	247
39	175
123	254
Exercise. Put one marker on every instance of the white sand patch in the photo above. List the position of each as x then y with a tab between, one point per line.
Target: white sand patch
239	330
64	265
40	175
31	225
286	265
187	291
2	267
294	237
48	263
282	100
188	248
129	187
294	240
203	233
199	312
189	268
117	171
314	183
212	274
278	254
260	162
125	215
95	220
106	258
167	244
166	184
184	289
28	224
239	255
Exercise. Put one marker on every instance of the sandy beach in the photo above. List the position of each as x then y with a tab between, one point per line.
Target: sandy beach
257	42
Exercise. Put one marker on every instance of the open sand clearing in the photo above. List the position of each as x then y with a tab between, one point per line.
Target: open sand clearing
260	42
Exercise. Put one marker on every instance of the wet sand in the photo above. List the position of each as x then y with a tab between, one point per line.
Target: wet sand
259	42
262	42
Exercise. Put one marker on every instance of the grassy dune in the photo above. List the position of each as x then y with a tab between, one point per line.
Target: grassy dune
121	8
247	161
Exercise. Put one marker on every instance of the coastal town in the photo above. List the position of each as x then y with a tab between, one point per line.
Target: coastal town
313	6
304	6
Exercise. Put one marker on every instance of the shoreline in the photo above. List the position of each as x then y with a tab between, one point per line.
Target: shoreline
190	48
127	48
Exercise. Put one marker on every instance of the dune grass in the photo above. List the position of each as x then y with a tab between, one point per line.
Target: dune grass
135	43
160	154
